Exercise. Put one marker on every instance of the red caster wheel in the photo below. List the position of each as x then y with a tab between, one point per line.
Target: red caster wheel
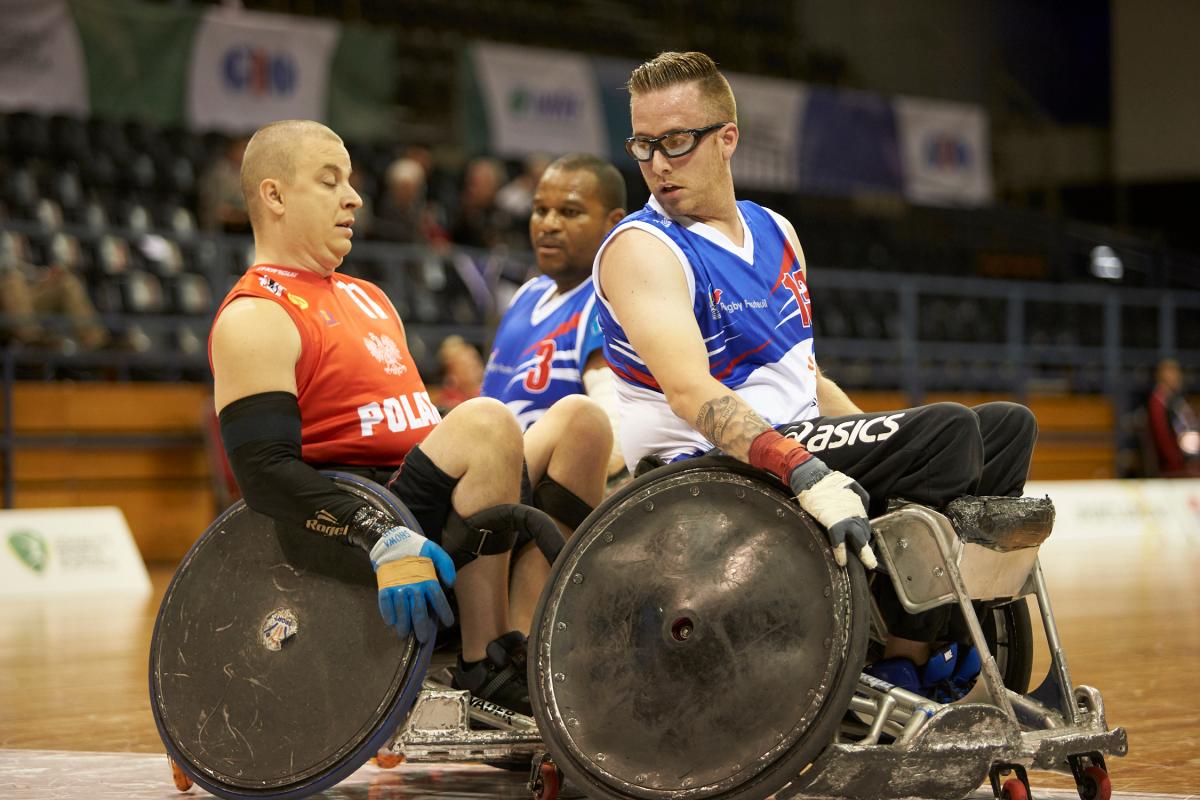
548	782
1095	785
1013	789
386	759
182	781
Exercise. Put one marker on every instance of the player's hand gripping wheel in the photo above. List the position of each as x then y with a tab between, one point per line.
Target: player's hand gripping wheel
408	567
834	499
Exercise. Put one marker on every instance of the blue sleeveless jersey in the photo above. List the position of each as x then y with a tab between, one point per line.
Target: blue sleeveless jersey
754	312
541	347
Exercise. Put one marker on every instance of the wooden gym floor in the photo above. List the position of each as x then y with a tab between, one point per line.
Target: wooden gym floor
73	678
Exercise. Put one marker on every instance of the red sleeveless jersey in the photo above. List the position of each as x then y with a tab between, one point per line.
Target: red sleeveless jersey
361	399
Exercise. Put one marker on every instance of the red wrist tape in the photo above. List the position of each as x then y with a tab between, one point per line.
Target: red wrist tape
777	454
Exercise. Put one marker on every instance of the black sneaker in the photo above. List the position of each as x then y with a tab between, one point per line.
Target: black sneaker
499	678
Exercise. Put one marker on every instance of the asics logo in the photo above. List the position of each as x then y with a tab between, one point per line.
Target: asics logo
830	437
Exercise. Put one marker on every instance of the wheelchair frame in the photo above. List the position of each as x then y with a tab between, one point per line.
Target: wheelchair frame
1056	727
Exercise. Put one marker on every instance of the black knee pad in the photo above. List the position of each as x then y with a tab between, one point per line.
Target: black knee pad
560	502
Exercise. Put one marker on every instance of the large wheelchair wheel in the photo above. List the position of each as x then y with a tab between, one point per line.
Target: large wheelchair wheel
272	674
695	639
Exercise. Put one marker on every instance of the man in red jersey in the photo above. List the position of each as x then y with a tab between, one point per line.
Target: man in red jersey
312	369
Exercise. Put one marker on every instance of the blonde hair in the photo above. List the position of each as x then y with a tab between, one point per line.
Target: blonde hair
672	68
271	153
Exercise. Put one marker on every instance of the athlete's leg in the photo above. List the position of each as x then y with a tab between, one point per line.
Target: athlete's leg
1009	431
478	447
930	454
570	445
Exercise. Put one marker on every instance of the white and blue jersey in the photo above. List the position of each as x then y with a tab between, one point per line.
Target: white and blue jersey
754	312
541	348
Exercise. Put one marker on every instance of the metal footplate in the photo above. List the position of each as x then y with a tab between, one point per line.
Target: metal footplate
439	729
944	750
986	549
1054	746
949	757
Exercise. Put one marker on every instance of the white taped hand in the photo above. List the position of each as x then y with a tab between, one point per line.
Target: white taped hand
836	501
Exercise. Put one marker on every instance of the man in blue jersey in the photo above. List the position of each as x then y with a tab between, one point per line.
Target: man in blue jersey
548	345
707	322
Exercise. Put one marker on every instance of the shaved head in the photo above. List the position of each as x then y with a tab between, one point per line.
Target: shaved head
271	153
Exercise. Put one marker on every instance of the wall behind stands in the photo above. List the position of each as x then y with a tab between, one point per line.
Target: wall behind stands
137	446
1155	61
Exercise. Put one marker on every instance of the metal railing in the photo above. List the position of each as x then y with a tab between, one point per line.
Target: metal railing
461	291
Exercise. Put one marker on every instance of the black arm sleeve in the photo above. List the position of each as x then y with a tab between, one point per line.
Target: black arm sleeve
261	434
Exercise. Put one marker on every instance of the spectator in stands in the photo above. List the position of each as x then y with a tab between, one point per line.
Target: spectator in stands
441	186
1174	426
29	294
403	216
479	221
516	197
462	372
221	204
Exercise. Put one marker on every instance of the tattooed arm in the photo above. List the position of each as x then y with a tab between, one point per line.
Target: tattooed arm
731	424
643	281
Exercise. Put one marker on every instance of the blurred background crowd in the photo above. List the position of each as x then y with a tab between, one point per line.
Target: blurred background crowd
1071	269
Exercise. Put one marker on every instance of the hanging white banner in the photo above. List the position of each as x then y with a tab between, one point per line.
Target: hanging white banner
250	68
539	101
769	115
944	148
64	550
1094	510
41	60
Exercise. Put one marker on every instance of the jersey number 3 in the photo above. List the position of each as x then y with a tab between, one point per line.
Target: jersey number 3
538	376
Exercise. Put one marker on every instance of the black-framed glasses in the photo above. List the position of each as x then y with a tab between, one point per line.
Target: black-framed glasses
673	144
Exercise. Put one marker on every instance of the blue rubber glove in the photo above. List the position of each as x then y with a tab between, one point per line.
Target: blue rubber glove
408	568
836	501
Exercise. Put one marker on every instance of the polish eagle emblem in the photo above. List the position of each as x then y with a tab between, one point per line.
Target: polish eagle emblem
384	350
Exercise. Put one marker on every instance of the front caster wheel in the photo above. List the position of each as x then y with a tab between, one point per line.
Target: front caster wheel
1013	789
547	783
1095	785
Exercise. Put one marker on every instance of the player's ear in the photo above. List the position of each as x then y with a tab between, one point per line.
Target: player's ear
271	194
615	216
729	139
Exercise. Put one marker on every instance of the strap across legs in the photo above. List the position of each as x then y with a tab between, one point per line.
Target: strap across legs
494	530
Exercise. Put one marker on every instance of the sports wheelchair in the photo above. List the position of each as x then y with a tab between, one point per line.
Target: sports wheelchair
695	640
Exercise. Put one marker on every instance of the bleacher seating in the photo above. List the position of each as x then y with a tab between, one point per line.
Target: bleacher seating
120	196
116	203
